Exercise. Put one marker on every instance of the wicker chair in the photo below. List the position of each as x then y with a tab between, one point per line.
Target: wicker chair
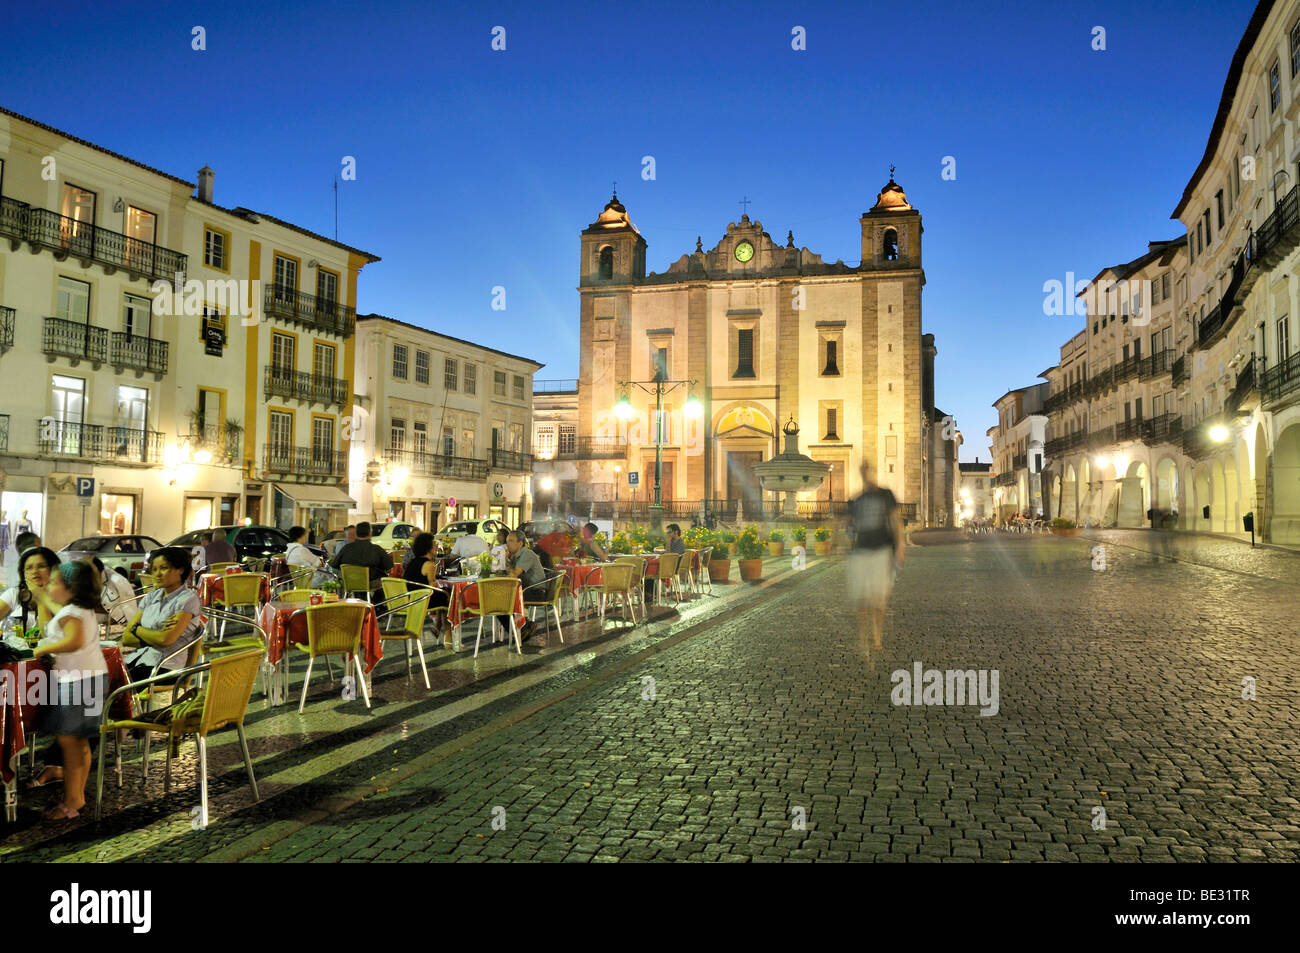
667	574
412	608
221	567
616	580
334	629
496	597
556	581
393	588
686	569
702	578
295	595
298	577
356	579
241	591
638	582
222	702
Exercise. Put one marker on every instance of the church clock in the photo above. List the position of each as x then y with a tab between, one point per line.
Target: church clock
744	252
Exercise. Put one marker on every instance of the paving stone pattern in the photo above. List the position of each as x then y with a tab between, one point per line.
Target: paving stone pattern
1119	689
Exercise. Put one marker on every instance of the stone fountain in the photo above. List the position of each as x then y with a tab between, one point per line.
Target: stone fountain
791	472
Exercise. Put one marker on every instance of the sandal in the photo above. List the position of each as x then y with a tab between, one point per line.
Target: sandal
60	812
43	780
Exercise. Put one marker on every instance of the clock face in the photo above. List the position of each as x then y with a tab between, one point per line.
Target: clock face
744	251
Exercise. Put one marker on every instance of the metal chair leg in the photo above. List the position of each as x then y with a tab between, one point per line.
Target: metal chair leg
167	772
478	637
203	781
361	679
558	627
99	784
248	761
419	645
305	679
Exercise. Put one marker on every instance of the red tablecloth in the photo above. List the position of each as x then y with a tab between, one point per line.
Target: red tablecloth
580	577
283	629
464	595
18	719
212	587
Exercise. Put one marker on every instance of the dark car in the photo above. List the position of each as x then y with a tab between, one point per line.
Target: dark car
250	542
556	537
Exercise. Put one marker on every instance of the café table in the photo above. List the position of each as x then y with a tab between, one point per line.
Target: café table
463	594
19	712
212	587
285	624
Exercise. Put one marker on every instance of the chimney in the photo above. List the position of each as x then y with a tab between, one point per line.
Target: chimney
206	176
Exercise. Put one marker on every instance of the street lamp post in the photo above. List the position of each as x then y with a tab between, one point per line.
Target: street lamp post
659	386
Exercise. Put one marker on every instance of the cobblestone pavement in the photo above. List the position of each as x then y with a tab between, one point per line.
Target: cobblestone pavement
769	736
1120	689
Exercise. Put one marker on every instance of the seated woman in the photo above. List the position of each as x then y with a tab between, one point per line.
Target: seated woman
168	619
297	554
422	569
34	568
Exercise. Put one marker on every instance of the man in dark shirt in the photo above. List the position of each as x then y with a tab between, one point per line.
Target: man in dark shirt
362	552
675	542
219	551
876	528
524	565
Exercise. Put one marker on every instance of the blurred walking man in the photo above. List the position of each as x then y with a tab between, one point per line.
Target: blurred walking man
876	531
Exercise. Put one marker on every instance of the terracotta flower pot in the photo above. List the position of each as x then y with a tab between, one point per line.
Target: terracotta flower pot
751	570
1061	531
719	570
775	548
822	547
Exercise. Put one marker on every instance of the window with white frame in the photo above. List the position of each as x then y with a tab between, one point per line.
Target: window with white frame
518	392
422	367
450	374
471	378
420	437
1283	340
397	434
399	361
545	438
1274	86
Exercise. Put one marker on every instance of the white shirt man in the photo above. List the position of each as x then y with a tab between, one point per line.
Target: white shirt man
469	546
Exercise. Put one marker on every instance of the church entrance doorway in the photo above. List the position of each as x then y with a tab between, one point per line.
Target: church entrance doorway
742	483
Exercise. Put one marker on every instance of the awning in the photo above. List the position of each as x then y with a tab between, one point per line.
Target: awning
309	494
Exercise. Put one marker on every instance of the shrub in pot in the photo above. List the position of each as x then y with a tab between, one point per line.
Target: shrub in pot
776	542
750	550
1063	527
822	541
719	561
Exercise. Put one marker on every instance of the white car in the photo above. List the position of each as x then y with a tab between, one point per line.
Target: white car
388	536
125	554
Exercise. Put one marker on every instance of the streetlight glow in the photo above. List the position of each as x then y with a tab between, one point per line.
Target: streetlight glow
623	409
1103	462
693	408
548	484
1218	433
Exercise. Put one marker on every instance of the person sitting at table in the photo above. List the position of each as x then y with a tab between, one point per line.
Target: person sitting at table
675	543
34	568
168	620
422	569
26	541
219	551
198	558
81	674
468	546
523	564
590	548
499	553
362	552
349	536
297	554
117	596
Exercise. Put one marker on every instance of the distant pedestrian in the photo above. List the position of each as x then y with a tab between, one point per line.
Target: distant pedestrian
876	528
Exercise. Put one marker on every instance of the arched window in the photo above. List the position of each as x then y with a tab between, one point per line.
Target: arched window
607	262
889	247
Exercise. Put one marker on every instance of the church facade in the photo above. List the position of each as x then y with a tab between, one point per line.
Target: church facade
758	333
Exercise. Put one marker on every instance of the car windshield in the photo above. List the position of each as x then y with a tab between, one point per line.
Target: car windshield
90	544
189	539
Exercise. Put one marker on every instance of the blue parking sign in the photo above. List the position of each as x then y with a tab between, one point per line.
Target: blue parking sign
633	477
85	487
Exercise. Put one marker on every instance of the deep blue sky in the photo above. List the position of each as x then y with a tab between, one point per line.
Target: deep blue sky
478	168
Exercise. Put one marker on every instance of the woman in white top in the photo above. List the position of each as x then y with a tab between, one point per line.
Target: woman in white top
118	598
297	554
73	710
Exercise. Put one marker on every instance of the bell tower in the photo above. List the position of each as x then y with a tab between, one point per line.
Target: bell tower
891	231
613	251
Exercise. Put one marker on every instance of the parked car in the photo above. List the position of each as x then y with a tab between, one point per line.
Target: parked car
250	542
484	529
389	536
556	537
125	554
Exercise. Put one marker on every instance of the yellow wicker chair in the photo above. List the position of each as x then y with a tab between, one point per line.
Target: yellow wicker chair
356	579
393	588
556	583
686	569
146	581
638	581
668	563
496	597
241	590
616	580
702	577
296	595
298	577
412	608
222	701
334	629
220	567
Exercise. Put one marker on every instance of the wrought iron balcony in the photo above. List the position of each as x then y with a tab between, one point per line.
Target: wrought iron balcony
592	448
319	314
510	460
1209	325
4	431
1167	428
566	386
1130	429
6	329
98	441
67	236
1064	444
74	340
1279	233
1158	363
1004	479
1126	369
1281	380
1178	371
13	220
220	441
1019	461
422	463
139	353
318	462
1245	395
300	385
1197	442
1101	438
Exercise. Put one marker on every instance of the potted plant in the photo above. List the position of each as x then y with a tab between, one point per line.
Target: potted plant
484	565
822	541
776	542
750	550
799	535
331	590
620	545
727	541
719	561
1063	527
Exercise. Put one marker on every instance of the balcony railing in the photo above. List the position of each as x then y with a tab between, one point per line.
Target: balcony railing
304	461
1281	379
1209	325
1279	233
98	441
1246	390
1158	363
1178	371
320	314
300	385
1197	442
139	353
13	219
65	235
1166	428
1101	438
222	442
510	460
1130	429
423	463
1019	461
6	329
592	448
1064	444
4	432
75	340
555	386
